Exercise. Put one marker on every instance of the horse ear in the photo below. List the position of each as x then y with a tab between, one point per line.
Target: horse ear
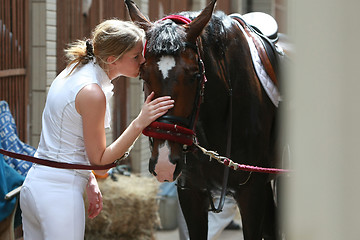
194	29
136	16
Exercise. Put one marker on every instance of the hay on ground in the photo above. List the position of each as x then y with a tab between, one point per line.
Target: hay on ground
130	210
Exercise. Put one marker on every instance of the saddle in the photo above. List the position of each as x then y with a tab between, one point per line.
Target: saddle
263	23
263	30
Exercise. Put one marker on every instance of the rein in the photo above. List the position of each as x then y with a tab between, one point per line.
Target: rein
62	165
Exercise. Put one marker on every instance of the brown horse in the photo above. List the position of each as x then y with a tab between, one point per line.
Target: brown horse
203	61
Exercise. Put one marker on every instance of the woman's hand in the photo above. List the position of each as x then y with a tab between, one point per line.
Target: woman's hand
153	109
94	197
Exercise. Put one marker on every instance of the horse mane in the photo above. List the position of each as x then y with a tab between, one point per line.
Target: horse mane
214	33
167	37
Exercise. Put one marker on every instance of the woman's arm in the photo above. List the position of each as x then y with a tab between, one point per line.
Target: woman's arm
91	105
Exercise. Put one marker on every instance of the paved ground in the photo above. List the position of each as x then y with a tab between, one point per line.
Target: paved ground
174	235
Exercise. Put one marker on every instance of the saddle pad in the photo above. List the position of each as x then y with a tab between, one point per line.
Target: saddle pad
268	85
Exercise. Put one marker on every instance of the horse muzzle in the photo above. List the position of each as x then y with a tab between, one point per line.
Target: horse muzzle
165	166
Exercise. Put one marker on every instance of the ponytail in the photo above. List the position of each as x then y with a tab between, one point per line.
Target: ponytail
79	52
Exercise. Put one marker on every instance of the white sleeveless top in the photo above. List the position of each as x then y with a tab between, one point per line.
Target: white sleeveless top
62	137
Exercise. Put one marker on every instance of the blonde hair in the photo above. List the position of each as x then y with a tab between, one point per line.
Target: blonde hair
110	38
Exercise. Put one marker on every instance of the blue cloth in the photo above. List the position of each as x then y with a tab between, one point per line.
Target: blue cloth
9	180
11	142
168	189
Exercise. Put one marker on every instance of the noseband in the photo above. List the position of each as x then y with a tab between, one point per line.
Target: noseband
175	128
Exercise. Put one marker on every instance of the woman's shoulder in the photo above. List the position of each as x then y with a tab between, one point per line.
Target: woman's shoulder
92	90
91	97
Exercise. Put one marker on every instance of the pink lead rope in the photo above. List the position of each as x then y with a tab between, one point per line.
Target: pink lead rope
237	166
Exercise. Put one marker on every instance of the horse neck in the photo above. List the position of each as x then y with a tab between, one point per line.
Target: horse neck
225	76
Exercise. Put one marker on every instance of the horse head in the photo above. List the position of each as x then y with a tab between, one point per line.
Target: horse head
173	68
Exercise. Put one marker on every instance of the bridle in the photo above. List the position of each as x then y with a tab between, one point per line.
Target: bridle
175	128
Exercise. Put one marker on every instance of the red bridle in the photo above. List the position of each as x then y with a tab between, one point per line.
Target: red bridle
170	128
172	132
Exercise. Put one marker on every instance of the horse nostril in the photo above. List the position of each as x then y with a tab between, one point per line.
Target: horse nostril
178	170
152	164
175	160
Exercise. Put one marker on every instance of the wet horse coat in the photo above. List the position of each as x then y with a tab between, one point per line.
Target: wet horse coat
236	118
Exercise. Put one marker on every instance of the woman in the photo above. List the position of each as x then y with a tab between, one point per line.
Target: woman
73	130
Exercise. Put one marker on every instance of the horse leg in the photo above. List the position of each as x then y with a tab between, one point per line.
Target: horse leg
270	231
194	205
251	200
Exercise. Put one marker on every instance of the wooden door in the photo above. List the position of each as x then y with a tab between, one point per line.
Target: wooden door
14	60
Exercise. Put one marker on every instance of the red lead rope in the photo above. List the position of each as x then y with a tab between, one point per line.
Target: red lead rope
55	164
237	166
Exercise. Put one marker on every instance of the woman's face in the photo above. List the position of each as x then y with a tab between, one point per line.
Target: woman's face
129	64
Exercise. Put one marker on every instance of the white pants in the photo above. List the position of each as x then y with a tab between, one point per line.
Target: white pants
52	204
